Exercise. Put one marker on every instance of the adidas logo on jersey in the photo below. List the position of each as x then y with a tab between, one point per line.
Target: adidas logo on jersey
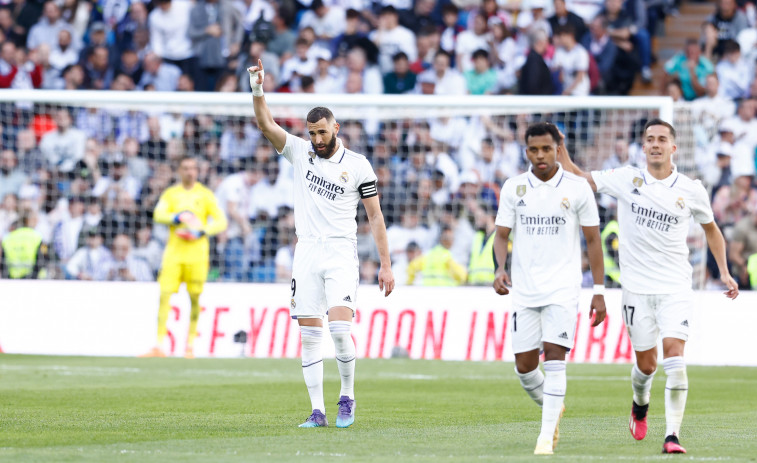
563	335
520	203
635	192
348	299
310	160
685	323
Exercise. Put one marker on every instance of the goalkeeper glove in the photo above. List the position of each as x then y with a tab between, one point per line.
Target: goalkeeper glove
188	234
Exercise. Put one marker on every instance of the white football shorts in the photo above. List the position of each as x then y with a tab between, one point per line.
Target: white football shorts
531	327
647	316
325	274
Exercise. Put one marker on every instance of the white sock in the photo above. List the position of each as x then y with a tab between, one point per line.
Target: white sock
533	384
345	355
312	364
676	390
555	383
641	385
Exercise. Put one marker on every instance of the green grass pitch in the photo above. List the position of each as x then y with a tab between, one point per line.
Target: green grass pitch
247	410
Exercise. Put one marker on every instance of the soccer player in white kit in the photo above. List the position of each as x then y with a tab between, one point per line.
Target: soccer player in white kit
545	208
655	206
329	182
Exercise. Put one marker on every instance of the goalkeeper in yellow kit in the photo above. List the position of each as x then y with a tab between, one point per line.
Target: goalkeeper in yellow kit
186	207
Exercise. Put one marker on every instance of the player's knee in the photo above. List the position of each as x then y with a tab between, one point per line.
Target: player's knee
647	366
526	363
194	297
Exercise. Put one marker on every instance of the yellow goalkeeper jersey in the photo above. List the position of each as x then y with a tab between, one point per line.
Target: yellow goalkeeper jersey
200	201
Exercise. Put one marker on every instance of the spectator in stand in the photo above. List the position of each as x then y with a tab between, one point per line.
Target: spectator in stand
73	77
426	42
437	266
627	36
447	81
147	247
11	175
117	180
92	261
571	60
471	40
733	72
48	27
598	43
674	90
258	50
535	76
327	78
390	37
563	16
729	21
733	202
30	157
505	56
357	63
129	65
482	79
66	234
63	53
64	146
282	43
423	15
16	71
401	79
98	74
712	108
215	28
327	21
451	28
303	63
354	34
238	140
169	38
8	212
742	250
164	76
125	266
691	69
136	19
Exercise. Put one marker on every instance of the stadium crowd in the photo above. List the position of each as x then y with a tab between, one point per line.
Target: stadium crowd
87	179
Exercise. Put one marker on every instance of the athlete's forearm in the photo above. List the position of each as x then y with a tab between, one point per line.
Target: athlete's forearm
716	242
271	130
378	228
594	250
500	247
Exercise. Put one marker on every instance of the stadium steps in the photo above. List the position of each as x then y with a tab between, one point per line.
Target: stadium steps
677	29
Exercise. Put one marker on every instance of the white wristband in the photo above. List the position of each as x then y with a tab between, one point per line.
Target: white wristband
599	290
257	89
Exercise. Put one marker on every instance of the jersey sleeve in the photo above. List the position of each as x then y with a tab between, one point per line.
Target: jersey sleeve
588	213
219	221
367	181
700	207
506	211
610	181
294	147
164	210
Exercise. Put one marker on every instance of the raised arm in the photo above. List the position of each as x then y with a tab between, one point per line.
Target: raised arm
378	228
716	242
271	130
564	159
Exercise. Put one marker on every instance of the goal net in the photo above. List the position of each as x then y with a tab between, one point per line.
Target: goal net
93	164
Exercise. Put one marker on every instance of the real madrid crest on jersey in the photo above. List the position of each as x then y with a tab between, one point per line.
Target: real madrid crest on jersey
520	190
637	182
565	204
344	178
293	305
680	204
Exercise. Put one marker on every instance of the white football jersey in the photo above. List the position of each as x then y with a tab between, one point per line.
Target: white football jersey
327	191
545	218
654	216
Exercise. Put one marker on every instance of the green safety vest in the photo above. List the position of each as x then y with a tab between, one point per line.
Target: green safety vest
751	268
435	271
481	264
611	266
20	248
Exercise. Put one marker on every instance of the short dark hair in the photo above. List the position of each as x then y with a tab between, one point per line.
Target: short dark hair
318	113
400	55
481	53
731	46
186	157
658	121
565	29
543	128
